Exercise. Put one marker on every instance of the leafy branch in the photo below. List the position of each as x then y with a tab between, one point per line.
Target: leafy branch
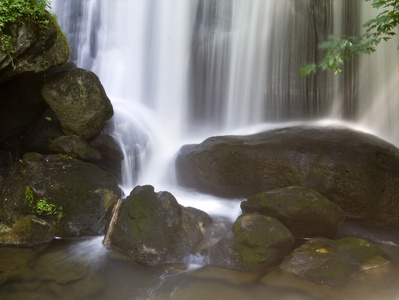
339	49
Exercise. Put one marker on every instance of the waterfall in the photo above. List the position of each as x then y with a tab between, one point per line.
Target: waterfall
178	71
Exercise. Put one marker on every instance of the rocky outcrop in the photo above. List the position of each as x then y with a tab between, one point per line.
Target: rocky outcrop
153	229
357	171
74	196
334	262
305	212
36	48
79	102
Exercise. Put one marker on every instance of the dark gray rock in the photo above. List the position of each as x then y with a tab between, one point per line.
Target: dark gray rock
305	212
357	171
28	231
255	243
334	262
35	49
111	154
81	194
75	146
153	229
79	101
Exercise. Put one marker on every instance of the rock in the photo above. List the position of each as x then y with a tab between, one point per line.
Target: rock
260	241
28	231
305	212
333	262
75	146
357	171
39	136
82	194
153	229
35	48
79	102
255	243
111	154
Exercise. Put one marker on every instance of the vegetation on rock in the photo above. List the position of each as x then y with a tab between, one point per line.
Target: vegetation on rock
20	11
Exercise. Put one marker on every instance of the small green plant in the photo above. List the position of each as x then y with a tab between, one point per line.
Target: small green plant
48	119
67	156
29	196
42	207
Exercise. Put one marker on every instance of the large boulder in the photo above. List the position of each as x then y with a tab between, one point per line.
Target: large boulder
357	171
305	212
154	229
75	197
334	262
35	48
79	101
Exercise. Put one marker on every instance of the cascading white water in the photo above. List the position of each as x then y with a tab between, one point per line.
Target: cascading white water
178	71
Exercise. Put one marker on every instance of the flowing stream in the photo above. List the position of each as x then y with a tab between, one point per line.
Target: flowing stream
179	71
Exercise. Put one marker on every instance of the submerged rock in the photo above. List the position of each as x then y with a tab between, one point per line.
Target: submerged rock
305	212
334	262
154	229
357	171
79	100
76	197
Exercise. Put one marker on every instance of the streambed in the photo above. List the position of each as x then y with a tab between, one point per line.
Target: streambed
85	269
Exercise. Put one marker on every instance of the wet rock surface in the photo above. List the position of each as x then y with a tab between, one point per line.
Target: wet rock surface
76	197
303	211
357	171
334	262
153	229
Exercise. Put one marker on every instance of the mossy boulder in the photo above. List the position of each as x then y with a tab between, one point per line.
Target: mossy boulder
357	171
79	101
305	212
154	229
28	231
76	197
35	48
260	241
334	262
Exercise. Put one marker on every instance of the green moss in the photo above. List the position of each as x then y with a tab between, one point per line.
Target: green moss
365	252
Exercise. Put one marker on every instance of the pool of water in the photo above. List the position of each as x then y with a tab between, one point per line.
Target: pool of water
85	269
